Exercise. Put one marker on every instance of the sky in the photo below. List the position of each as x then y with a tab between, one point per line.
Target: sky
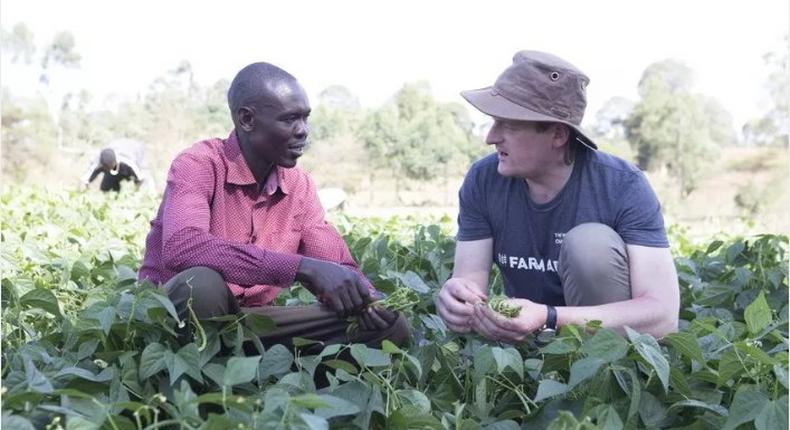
374	47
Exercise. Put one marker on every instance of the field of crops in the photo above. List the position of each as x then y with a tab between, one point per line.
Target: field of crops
85	347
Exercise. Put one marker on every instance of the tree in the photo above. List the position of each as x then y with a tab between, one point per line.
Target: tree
19	43
609	130
336	115
417	137
671	127
773	128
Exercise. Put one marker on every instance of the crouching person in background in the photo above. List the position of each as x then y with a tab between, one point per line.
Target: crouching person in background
238	222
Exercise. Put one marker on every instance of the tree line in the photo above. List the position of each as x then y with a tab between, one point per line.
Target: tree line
410	139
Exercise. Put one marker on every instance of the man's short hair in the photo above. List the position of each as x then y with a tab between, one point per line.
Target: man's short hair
249	85
107	158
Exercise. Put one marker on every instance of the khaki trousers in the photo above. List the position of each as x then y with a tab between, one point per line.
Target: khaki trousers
593	266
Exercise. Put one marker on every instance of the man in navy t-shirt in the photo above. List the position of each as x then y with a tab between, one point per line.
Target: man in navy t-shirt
576	233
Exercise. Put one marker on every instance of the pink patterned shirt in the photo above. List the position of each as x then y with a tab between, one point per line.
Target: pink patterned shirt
214	214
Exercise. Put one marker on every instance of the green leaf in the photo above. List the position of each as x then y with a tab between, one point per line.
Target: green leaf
773	415
240	370
187	360
411	280
609	419
484	363
403	420
152	360
781	374
215	372
309	400
314	422
691	403
509	357
258	323
549	388
632	389
559	346
651	410
686	344
85	374
583	370
369	357
330	350
276	361
335	406
36	381
648	348
730	366
758	314
41	298
416	399
606	345
342	364
746	405
105	317
15	422
166	303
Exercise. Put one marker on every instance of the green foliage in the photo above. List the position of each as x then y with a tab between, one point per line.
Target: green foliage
417	137
673	128
85	346
498	304
773	127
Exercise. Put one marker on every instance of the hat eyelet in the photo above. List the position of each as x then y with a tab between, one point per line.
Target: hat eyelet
554	76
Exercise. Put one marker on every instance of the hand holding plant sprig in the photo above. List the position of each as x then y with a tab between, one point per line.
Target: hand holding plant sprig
382	313
500	305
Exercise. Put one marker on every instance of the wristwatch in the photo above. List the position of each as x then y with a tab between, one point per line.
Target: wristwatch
551	318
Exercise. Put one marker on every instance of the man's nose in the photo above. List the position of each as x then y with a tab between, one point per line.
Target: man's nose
302	129
494	136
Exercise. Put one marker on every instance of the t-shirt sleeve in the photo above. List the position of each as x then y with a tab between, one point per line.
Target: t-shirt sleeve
639	220
473	220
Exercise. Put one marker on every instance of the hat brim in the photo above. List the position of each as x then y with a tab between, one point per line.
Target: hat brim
488	101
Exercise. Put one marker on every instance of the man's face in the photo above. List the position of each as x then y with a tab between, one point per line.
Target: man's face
523	151
279	135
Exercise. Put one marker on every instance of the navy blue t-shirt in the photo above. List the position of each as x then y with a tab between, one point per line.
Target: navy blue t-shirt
527	236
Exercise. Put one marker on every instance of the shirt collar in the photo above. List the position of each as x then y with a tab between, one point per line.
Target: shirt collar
239	173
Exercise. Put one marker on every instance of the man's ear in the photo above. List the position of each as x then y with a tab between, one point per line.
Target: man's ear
245	116
560	134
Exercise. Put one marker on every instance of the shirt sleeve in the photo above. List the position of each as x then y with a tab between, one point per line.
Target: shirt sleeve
186	241
320	239
91	173
473	221
639	220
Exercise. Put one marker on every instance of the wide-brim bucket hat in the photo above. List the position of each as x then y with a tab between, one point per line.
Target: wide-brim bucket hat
537	87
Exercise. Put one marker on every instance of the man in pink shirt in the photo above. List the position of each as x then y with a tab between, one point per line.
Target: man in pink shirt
238	222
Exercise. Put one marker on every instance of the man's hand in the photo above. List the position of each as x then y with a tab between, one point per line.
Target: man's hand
341	288
455	303
491	325
376	318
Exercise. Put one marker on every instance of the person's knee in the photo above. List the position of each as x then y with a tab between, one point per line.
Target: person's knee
593	265
591	247
203	288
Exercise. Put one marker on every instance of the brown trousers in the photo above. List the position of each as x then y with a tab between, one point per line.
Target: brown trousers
211	297
593	266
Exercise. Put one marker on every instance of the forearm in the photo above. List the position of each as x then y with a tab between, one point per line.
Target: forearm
322	242
475	280
644	314
241	264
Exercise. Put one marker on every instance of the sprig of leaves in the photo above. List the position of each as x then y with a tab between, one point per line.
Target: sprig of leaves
499	304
